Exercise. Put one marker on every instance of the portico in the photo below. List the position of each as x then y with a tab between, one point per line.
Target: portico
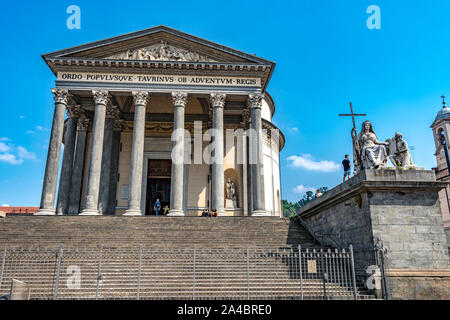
161	94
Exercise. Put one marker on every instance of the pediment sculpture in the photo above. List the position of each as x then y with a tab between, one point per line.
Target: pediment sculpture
162	52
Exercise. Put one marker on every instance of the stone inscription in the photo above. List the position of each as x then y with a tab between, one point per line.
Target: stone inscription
160	79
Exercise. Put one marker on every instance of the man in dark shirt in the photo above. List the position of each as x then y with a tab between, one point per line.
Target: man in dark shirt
346	164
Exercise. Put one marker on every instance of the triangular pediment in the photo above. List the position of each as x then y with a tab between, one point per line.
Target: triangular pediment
159	44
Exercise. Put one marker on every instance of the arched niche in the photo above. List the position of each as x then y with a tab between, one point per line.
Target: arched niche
232	174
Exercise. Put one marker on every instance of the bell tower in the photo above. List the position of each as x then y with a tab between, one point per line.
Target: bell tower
441	135
441	131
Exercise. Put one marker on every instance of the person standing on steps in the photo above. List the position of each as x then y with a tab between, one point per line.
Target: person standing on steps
157	207
346	164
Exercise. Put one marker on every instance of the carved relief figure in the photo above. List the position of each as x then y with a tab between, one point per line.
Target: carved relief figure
161	51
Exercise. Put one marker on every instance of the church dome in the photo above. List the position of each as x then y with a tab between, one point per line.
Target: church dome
444	113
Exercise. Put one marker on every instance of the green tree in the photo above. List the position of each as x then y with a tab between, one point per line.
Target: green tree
289	209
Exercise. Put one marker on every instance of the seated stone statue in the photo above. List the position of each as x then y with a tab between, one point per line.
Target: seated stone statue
373	153
398	151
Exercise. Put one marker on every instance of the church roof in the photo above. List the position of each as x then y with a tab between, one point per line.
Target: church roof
160	47
444	113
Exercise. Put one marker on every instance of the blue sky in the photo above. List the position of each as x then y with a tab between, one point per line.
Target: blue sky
325	54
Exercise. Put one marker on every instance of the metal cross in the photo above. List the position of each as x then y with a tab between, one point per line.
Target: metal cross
353	115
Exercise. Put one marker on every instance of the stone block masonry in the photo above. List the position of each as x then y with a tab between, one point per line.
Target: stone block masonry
401	209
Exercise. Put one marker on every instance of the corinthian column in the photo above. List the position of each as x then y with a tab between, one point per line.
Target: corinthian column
78	165
176	184
141	99
101	98
61	97
218	178
256	155
112	114
65	180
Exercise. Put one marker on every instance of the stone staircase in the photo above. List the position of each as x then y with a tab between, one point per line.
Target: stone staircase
221	267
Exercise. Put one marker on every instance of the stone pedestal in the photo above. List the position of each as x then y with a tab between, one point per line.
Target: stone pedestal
401	209
229	203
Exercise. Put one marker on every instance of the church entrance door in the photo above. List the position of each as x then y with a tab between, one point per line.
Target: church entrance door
158	184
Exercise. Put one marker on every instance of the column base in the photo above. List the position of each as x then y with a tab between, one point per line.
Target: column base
175	213
221	213
45	212
89	212
260	213
132	213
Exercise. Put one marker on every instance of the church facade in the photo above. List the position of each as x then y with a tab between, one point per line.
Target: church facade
161	114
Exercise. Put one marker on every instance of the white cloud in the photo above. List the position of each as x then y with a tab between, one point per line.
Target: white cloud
302	189
25	154
21	117
294	129
11	154
5	139
4	147
10	158
40	128
306	161
29	132
6	205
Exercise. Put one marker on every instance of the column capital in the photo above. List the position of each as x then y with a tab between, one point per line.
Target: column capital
118	125
179	98
141	97
112	112
61	95
255	100
74	111
101	96
83	123
217	99
246	115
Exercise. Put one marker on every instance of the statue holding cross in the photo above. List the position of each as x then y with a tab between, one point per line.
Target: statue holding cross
354	134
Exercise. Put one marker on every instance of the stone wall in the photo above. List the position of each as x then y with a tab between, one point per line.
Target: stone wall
399	208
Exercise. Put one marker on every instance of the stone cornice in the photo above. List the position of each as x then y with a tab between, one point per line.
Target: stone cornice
368	180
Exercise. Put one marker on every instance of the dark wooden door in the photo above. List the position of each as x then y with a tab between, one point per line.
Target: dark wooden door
158	184
157	189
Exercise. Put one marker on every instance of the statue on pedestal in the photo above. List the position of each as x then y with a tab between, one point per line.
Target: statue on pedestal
230	194
372	153
398	151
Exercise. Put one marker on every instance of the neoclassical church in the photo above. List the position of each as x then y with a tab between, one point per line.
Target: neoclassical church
161	114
